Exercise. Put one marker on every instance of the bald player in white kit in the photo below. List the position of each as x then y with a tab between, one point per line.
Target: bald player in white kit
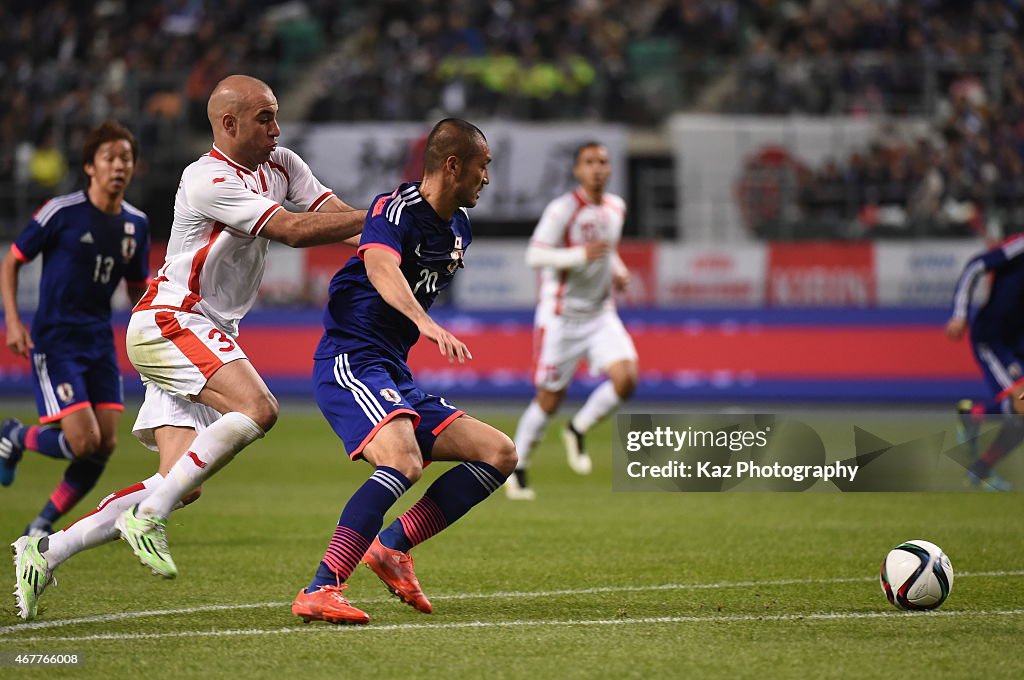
574	247
204	400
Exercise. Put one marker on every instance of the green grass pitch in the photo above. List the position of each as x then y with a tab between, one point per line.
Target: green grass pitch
584	582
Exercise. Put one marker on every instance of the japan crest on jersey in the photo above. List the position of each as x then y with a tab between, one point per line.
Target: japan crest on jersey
65	392
456	256
128	244
128	248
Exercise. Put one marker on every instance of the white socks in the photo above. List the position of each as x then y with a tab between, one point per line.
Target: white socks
602	401
530	430
97	527
212	449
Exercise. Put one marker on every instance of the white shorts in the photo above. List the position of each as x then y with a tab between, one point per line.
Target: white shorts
562	343
178	351
161	408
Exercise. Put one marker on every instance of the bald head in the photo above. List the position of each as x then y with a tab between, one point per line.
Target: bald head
451	137
243	115
233	95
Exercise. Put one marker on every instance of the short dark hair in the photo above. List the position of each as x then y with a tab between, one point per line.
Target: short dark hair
451	137
583	147
108	131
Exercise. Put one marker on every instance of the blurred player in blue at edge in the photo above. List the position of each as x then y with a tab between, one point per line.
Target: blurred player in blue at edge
997	340
89	241
412	245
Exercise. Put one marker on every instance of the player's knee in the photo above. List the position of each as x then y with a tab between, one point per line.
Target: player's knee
502	454
107	446
406	459
549	401
83	444
625	386
1017	404
264	411
410	466
103	453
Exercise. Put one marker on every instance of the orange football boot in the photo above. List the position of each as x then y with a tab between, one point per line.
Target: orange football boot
395	569
327	604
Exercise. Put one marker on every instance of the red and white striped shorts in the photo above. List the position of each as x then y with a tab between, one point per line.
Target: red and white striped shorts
178	351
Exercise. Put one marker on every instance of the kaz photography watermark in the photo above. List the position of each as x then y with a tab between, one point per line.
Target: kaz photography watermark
783	452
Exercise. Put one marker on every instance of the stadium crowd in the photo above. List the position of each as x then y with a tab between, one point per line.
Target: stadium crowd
67	65
875	56
961	175
64	66
959	65
533	60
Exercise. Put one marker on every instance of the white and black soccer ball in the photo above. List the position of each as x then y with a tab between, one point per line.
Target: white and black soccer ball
917	575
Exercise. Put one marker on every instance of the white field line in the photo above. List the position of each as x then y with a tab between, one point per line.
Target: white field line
403	627
121	616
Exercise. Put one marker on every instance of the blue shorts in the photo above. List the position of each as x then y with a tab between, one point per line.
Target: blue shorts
358	395
66	382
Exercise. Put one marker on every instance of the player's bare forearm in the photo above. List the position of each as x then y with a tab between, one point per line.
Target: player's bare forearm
302	230
335	204
9	286
620	273
385	275
17	337
383	271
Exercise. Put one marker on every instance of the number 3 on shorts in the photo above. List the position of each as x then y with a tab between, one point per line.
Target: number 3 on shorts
220	336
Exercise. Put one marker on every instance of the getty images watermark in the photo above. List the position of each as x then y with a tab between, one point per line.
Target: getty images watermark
726	452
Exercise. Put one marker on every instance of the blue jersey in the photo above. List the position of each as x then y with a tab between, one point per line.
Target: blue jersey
429	250
1001	319
86	253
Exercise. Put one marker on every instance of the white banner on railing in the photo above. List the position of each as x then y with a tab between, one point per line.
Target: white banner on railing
698	275
496	276
531	163
923	273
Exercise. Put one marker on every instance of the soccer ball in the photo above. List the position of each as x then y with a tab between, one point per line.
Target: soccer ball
917	575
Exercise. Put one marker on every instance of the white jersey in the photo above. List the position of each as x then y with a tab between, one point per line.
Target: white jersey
215	256
573	220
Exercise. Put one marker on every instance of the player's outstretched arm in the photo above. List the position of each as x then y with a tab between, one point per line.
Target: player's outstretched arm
18	338
573	257
620	273
302	230
383	271
335	204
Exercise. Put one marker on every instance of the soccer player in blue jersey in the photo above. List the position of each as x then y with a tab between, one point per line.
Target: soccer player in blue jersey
412	245
997	340
89	241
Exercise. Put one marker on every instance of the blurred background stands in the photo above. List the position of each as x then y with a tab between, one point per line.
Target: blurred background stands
955	69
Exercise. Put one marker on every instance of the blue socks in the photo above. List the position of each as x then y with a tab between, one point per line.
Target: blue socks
449	498
359	523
